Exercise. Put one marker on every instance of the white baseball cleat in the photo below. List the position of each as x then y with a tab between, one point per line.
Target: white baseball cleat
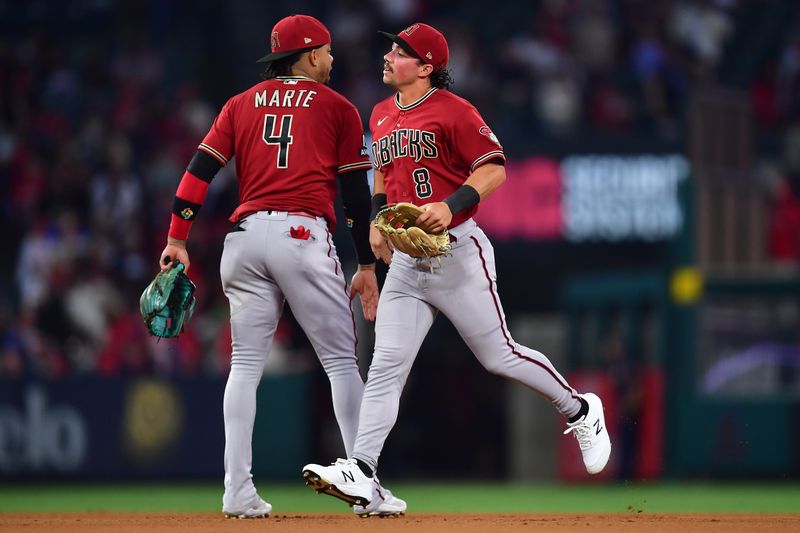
344	480
383	505
592	435
258	509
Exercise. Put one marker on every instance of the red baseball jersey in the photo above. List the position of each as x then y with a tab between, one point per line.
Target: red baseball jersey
426	150
291	136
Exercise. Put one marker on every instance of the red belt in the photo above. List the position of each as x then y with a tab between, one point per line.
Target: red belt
298	213
302	214
273	211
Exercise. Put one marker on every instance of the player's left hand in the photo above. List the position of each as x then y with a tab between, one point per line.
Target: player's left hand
365	284
436	218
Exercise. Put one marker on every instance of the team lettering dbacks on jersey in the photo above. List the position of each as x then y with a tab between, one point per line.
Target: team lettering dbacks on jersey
426	150
267	124
412	143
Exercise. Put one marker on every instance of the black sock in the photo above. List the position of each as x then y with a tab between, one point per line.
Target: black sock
583	411
364	467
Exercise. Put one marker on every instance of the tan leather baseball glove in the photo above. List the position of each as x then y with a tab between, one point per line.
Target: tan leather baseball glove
397	223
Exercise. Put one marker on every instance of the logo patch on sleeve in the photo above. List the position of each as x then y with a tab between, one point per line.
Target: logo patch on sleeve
187	213
484	130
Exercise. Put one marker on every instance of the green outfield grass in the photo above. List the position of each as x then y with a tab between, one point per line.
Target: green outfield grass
427	497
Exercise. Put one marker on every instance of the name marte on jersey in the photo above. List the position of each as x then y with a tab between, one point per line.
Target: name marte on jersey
404	143
284	98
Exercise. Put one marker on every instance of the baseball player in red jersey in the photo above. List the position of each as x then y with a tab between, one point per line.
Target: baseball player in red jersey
292	136
433	149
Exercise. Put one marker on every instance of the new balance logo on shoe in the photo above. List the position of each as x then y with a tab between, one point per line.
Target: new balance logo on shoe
594	442
343	480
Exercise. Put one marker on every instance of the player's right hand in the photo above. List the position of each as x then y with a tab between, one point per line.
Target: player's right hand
436	218
174	253
365	284
380	246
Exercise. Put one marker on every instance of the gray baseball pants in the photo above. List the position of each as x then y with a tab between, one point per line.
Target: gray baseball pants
260	268
464	289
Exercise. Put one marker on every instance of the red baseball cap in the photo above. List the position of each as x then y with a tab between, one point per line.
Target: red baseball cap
296	33
424	42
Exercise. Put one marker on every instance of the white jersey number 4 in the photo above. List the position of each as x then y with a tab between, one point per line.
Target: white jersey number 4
283	137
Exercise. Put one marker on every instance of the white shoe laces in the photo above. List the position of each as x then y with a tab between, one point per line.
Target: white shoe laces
583	432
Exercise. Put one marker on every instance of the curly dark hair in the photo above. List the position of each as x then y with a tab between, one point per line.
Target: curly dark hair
283	66
441	78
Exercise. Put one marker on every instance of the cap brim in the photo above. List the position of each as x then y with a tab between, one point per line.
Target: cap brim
402	43
269	58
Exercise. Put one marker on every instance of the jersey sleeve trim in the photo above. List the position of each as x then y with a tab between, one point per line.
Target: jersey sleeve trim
361	165
485	157
214	153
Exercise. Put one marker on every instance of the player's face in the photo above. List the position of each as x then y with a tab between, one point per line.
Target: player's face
400	68
325	56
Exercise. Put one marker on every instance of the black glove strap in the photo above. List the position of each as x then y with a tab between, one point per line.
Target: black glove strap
378	203
464	198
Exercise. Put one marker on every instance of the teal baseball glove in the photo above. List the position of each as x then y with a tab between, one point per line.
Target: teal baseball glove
168	302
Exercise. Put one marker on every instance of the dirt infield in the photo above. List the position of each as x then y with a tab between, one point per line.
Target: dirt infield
417	523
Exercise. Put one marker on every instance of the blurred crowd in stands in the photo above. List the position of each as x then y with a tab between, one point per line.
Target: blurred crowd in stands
103	104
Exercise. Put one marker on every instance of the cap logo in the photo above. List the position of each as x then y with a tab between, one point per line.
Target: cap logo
276	43
429	56
306	40
411	29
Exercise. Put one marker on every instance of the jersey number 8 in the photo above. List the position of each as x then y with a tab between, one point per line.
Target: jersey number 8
283	137
422	179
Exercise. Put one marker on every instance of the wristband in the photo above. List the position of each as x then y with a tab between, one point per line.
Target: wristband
378	203
464	198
